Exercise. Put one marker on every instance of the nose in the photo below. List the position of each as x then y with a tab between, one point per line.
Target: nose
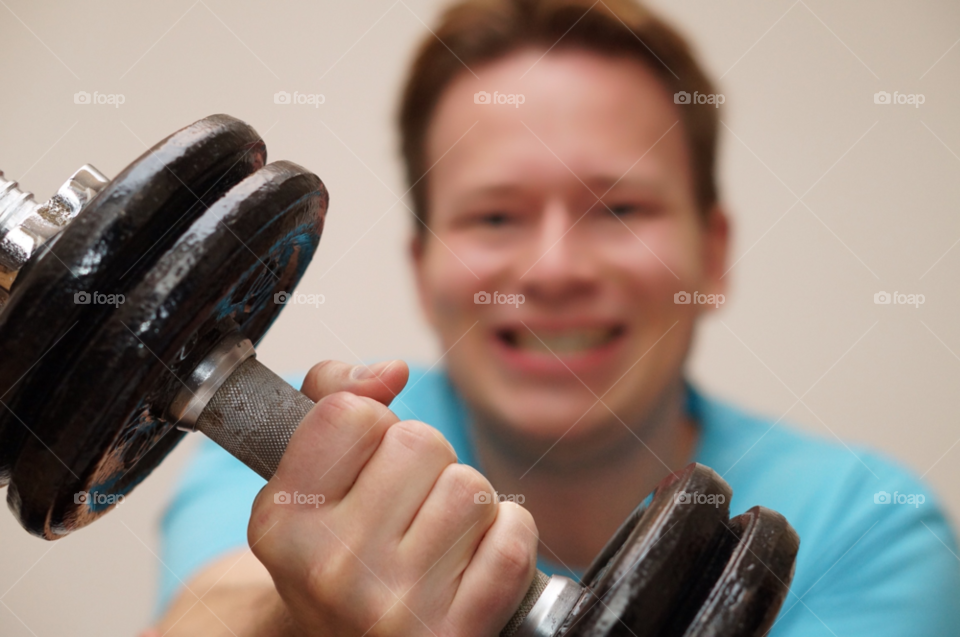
560	265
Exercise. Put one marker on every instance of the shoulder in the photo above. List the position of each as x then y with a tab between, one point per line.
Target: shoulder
870	530
771	460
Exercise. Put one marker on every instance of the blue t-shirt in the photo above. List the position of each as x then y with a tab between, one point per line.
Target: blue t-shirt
874	560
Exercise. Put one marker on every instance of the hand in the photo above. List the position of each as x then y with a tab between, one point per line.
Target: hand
379	532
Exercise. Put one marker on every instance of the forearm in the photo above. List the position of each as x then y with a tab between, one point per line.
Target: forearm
245	610
232	597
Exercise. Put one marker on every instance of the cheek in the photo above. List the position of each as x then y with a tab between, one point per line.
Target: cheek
659	261
451	281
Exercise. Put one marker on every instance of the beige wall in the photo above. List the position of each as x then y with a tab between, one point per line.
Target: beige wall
878	189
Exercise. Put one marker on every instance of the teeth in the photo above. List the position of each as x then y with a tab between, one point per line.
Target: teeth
566	342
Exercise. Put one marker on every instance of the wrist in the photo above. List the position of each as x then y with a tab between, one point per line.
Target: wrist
274	619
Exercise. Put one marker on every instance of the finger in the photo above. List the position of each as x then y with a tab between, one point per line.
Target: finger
381	381
331	446
506	557
448	527
397	479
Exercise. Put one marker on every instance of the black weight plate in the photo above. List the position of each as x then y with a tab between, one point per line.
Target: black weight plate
107	249
635	585
746	598
224	271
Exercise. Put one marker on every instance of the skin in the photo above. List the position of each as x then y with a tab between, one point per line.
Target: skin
514	208
398	547
575	395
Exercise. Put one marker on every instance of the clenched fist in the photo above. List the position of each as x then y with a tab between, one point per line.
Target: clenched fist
371	527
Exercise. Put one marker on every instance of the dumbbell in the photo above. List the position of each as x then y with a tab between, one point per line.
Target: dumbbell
129	313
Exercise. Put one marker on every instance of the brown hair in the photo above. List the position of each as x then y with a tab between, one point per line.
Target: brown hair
474	32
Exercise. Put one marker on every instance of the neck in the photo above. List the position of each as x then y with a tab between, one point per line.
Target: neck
580	491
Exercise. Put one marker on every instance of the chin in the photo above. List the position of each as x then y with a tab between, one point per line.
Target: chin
545	416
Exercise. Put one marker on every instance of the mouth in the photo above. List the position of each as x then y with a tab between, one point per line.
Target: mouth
560	342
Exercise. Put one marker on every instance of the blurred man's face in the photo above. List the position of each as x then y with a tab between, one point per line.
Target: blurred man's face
580	199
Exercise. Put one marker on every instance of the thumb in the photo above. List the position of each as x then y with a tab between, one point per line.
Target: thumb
380	381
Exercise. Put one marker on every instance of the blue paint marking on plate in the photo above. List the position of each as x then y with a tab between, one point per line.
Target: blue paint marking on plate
261	279
134	440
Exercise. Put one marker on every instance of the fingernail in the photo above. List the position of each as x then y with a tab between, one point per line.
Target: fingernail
368	372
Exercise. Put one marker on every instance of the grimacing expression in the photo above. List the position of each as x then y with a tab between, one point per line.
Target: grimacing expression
582	200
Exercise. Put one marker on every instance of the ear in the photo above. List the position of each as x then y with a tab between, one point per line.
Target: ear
417	257
715	247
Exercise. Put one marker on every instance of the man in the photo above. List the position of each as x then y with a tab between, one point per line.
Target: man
567	206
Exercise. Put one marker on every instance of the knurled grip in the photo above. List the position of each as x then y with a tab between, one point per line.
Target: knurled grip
540	581
253	415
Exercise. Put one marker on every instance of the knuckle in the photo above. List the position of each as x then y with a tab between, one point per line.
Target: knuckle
263	518
522	524
344	419
420	438
262	514
524	519
465	483
339	582
514	552
347	408
327	579
318	373
340	403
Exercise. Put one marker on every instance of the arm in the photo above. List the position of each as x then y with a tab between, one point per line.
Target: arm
399	546
232	597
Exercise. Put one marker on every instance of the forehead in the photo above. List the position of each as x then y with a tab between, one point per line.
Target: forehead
584	118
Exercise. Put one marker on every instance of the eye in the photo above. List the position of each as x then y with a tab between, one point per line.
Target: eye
493	219
623	209
631	209
487	218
